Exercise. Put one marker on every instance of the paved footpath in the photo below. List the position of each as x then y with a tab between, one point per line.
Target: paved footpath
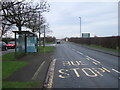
36	70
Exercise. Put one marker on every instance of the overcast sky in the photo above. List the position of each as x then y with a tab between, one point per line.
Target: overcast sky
98	18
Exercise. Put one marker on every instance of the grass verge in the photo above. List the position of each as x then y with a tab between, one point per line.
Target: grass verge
8	68
8	56
51	42
103	48
9	84
46	49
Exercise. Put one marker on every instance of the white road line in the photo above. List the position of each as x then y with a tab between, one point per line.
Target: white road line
93	59
73	49
86	56
115	70
79	52
38	70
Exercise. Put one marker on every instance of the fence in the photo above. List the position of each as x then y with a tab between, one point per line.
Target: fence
108	42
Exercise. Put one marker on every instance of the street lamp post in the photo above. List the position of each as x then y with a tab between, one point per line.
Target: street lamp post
80	26
44	37
39	28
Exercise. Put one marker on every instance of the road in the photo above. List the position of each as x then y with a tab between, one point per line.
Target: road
7	51
78	67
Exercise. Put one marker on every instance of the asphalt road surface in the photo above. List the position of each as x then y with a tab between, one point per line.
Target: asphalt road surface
78	67
7	51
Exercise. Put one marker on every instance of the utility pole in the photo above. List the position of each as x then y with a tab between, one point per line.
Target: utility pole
80	26
44	37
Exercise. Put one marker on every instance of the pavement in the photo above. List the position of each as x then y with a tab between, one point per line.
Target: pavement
79	67
36	70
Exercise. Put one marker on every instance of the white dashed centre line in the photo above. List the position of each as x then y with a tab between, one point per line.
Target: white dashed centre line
92	59
86	56
79	52
73	49
115	70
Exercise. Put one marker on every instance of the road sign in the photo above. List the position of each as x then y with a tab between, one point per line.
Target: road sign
85	35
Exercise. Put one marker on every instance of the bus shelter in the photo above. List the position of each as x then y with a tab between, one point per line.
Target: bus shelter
25	42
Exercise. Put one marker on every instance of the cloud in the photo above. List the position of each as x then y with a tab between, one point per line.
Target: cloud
97	18
83	0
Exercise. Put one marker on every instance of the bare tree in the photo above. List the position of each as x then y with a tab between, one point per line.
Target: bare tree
19	13
24	14
36	23
4	25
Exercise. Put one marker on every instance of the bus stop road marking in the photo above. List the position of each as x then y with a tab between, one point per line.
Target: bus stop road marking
51	74
38	70
95	63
